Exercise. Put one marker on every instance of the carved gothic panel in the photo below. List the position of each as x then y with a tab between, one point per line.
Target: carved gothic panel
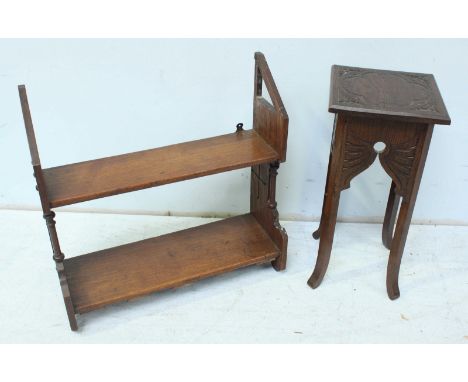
397	159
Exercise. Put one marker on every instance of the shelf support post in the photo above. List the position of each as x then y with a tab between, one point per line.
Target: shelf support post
48	214
263	207
270	121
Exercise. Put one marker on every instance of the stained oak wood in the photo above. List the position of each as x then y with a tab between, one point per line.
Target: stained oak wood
47	213
130	172
270	121
393	204
97	279
263	207
168	261
29	126
395	108
400	95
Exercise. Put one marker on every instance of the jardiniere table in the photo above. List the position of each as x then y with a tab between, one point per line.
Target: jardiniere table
387	114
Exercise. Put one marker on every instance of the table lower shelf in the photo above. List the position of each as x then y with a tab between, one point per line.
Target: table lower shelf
132	270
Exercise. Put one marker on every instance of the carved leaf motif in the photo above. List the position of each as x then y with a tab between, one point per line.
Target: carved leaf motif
398	162
395	98
359	155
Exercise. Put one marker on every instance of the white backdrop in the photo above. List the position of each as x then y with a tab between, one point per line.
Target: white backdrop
95	98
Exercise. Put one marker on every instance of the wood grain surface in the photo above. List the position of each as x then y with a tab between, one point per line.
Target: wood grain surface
167	261
400	95
130	172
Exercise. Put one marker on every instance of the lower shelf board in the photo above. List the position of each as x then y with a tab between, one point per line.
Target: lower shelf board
132	270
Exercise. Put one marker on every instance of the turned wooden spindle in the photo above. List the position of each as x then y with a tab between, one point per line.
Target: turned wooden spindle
48	214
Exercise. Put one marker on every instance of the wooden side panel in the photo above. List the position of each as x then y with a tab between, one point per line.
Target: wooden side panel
35	160
271	126
29	126
263	207
270	121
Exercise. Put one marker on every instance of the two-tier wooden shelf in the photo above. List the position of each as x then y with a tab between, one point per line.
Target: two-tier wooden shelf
101	278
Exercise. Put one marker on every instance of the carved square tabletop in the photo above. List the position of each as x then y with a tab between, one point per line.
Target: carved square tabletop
406	96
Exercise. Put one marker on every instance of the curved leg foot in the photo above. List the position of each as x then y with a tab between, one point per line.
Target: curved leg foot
326	231
397	248
390	216
317	276
404	216
393	290
331	200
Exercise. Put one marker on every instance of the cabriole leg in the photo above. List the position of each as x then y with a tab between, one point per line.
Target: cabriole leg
316	234
404	218
327	227
390	216
331	201
397	248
